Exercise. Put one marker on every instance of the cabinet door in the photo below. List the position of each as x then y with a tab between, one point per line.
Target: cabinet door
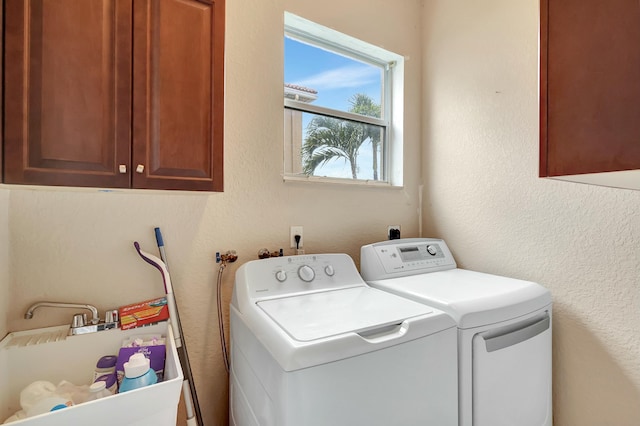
178	94
589	86
67	92
1	95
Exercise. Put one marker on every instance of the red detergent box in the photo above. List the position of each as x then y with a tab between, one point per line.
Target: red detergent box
143	313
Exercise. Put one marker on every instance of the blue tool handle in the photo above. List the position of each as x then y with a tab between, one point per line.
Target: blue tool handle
159	237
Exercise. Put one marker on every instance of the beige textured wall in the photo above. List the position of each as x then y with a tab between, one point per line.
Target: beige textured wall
4	259
484	197
76	245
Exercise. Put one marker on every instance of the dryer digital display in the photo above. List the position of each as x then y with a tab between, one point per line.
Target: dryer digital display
420	252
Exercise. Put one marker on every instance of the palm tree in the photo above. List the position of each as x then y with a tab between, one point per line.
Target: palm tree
364	105
329	138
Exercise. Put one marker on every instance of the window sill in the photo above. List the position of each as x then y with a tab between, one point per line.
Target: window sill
339	181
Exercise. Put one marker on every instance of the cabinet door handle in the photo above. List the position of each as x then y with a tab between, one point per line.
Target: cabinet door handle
122	168
140	168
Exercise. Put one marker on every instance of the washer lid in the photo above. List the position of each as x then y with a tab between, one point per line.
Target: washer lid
472	298
320	315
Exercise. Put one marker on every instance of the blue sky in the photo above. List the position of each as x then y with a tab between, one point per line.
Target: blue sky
336	78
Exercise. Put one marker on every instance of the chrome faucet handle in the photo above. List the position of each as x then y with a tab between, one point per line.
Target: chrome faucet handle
79	320
111	316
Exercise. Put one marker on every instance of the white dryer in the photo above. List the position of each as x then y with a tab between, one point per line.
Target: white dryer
504	328
313	345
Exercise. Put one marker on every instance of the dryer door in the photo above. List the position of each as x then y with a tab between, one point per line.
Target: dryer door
512	374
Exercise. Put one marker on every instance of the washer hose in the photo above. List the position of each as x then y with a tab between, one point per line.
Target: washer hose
223	342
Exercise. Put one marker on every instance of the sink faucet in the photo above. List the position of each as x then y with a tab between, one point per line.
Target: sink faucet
93	309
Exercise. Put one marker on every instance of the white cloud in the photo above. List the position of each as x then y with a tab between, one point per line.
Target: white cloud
340	78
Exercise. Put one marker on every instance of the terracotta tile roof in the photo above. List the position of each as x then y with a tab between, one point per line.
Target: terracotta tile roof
301	88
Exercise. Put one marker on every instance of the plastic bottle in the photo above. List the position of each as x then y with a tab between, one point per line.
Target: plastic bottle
51	403
98	390
137	373
111	382
105	365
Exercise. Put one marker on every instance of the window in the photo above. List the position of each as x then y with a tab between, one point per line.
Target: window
342	98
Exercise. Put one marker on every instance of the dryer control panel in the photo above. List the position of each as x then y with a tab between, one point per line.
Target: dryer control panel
411	256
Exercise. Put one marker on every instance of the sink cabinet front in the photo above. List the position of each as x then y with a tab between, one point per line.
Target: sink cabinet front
114	93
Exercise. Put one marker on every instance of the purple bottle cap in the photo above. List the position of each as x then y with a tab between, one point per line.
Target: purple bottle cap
107	361
109	379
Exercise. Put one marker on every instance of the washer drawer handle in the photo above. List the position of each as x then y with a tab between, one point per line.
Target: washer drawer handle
496	340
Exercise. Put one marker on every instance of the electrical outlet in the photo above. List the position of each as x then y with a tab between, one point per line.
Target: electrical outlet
296	230
393	232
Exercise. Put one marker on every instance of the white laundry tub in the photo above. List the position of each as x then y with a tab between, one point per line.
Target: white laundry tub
48	354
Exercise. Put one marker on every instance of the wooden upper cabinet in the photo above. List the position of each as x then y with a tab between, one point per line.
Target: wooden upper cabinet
1	95
178	92
114	93
589	86
67	92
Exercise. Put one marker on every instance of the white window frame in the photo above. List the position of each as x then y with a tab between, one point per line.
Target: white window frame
392	104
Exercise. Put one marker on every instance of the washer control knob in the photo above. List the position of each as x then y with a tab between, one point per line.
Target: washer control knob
432	250
306	273
281	276
329	270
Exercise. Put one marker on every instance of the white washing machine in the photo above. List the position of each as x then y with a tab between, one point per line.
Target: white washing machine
312	344
504	328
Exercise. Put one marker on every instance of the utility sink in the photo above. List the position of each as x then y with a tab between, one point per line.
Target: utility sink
50	354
